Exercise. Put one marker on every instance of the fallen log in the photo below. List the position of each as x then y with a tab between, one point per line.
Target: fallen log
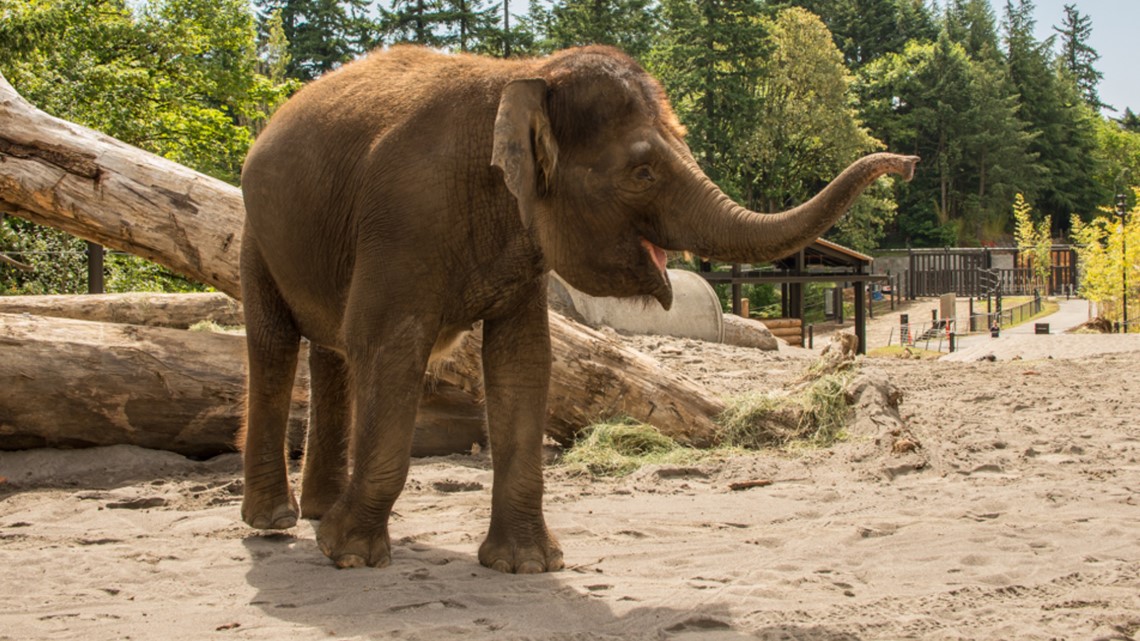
69	177
178	311
781	323
72	383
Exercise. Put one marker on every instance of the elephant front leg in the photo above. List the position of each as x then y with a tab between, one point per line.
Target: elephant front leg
386	384
516	369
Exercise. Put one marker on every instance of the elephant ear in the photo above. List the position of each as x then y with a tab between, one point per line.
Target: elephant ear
525	148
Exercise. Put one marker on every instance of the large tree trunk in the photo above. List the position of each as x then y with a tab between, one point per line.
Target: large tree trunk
70	383
72	178
178	311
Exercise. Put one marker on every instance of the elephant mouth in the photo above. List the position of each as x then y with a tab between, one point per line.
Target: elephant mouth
663	290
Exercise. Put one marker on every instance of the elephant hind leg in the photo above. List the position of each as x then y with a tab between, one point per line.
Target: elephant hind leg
272	343
325	469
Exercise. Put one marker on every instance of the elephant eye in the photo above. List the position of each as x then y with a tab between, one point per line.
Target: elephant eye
644	173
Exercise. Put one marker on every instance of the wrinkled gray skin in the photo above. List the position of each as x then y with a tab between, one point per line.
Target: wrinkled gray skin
393	203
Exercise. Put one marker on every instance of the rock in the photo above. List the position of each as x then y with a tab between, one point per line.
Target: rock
743	332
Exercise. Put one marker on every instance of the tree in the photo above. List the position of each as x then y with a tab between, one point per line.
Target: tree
1078	57
709	57
865	30
630	25
960	116
176	77
1105	263
972	24
415	21
505	39
1118	156
1053	108
1130	121
1034	242
805	131
469	22
322	34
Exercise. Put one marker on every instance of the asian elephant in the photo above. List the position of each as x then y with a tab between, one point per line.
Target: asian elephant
398	200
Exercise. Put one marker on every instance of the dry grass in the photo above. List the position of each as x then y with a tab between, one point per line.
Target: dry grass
814	415
618	447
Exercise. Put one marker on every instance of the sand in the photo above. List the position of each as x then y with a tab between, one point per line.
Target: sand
1023	523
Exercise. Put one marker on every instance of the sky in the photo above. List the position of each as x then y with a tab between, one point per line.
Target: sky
1115	36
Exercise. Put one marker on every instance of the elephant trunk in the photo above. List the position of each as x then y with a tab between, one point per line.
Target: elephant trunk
710	224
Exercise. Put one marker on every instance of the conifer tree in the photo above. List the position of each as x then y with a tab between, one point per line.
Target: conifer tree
1078	57
630	25
864	30
1063	124
708	57
972	24
322	34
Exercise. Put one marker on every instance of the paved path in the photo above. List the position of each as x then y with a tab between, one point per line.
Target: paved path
1073	312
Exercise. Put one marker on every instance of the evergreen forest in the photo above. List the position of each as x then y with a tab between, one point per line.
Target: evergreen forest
777	95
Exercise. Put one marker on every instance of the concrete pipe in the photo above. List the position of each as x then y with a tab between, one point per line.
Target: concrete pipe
696	311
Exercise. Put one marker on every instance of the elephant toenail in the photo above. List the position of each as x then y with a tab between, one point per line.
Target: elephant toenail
350	561
285	522
530	567
501	566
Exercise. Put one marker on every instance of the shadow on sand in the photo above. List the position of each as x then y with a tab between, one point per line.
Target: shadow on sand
433	593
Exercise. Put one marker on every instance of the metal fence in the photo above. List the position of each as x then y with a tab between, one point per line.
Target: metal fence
942	335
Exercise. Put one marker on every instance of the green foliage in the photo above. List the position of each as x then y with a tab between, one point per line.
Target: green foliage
1078	57
58	262
1052	107
960	116
1117	158
322	34
708	58
179	78
805	130
865	30
971	23
630	25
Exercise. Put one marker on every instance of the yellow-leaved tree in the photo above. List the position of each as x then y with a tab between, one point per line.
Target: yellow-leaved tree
1109	253
1034	242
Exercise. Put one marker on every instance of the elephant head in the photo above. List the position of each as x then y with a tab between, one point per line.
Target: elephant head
597	161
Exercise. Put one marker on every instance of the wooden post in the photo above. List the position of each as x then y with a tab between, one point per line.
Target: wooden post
735	289
94	268
860	317
910	274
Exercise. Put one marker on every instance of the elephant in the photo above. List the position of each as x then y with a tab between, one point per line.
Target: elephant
395	202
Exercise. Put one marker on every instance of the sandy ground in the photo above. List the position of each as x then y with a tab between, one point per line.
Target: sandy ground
1024	524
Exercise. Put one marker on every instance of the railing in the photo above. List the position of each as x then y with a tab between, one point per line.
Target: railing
1007	317
937	333
942	335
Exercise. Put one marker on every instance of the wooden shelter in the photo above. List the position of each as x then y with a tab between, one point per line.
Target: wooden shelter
820	262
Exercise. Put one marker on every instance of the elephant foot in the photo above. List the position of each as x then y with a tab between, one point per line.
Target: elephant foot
317	502
351	543
269	512
521	554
